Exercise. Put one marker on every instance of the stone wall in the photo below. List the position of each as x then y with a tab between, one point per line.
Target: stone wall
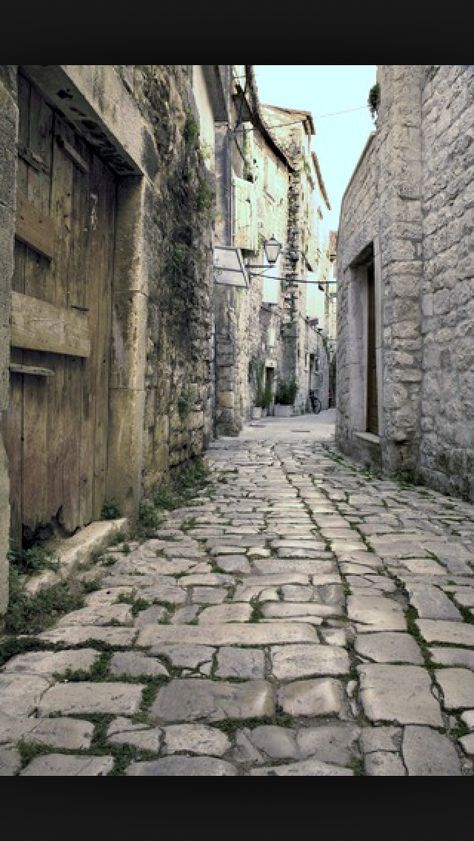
143	122
407	207
446	457
8	133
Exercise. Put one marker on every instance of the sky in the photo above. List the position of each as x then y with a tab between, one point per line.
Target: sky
325	89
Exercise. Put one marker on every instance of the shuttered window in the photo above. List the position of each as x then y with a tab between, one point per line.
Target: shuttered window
245	215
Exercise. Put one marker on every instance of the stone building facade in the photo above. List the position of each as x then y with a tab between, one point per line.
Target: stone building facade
261	333
106	287
406	282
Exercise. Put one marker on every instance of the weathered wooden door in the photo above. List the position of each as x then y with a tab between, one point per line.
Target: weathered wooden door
372	401
56	428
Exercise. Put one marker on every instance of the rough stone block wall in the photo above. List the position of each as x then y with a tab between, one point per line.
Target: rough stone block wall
411	197
446	458
8	135
358	227
178	231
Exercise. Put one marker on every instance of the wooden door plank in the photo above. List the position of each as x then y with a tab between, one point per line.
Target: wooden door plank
75	368
104	243
60	420
40	326
85	295
12	431
34	228
38	285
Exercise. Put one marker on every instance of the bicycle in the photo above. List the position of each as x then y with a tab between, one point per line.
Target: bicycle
315	403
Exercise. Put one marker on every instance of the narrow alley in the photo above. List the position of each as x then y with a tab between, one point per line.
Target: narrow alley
236	420
299	617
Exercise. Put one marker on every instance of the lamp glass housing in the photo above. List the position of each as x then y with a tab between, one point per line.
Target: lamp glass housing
272	250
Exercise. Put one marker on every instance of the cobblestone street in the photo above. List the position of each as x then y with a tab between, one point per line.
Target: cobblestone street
302	618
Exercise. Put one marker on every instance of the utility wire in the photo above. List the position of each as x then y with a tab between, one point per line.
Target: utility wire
298	122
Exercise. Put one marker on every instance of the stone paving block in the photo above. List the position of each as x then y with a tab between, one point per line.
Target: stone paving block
334	743
424	566
233	563
149	739
398	693
195	738
384	764
21	694
305	768
311	697
58	765
121	724
468	718
52	662
297	661
456	633
277	566
185	615
227	634
240	663
431	603
211	579
465	597
182	766
229	612
467	743
376	613
304	610
90	698
133	664
184	656
81	634
191	699
297	593
66	733
334	636
166	593
389	647
296	543
107	596
427	753
452	657
326	579
208	595
273	742
13	727
457	686
150	616
381	739
10	762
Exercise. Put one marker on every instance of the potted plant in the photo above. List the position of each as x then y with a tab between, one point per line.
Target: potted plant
285	398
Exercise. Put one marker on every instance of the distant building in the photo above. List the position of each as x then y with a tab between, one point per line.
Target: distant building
262	337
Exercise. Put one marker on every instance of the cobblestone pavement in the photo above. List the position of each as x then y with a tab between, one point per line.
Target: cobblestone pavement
304	618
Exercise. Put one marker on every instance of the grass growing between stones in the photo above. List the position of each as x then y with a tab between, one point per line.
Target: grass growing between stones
11	646
32	614
137	604
257	611
99	671
181	492
231	726
34	559
357	766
